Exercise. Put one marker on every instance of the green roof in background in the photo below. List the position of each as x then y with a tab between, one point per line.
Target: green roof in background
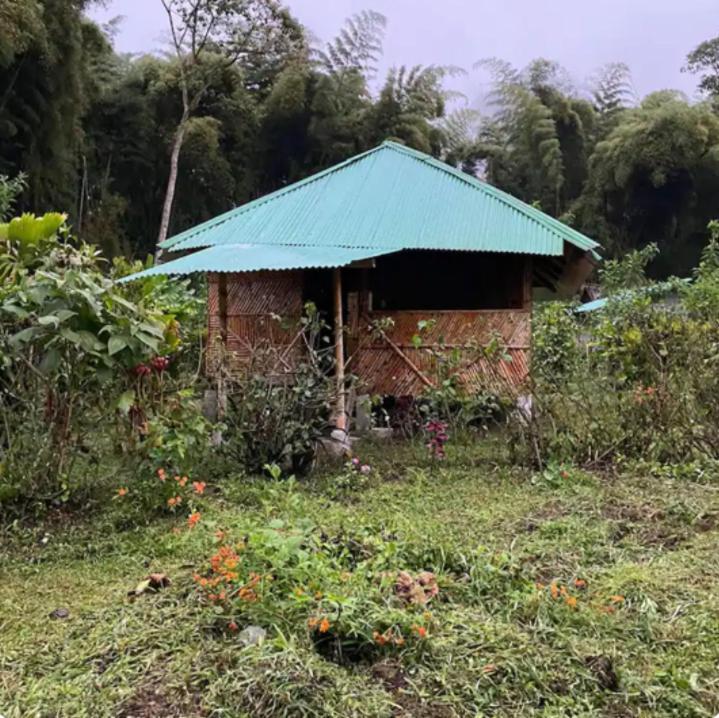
251	258
387	199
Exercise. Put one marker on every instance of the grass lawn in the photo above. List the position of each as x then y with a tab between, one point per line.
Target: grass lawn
638	553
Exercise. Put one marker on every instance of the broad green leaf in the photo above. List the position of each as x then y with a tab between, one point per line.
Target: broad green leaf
116	344
49	320
126	401
50	362
25	335
148	340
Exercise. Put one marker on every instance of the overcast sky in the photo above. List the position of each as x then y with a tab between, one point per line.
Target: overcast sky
652	36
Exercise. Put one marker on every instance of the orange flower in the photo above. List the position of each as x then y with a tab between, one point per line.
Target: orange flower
554	590
174	501
616	599
324	625
122	492
182	481
421	631
161	474
570	601
580	583
199	487
399	641
193	518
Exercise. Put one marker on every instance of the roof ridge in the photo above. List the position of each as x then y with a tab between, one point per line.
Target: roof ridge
551	223
287	189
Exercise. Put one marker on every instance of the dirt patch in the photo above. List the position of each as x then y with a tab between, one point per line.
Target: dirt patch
707	522
413	707
150	701
549	512
602	669
632	513
646	524
390	674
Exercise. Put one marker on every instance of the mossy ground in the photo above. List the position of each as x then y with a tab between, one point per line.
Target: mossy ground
499	649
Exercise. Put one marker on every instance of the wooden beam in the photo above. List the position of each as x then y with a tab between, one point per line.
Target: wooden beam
340	408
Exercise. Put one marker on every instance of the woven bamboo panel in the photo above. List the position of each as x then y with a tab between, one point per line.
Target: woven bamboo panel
404	369
262	313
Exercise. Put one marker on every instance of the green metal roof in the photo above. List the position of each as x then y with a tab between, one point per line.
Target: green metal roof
251	258
388	199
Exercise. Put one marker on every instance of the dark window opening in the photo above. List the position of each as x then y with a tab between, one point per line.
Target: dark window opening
426	279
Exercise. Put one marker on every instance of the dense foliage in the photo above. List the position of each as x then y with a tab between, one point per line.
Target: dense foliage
636	379
95	131
77	360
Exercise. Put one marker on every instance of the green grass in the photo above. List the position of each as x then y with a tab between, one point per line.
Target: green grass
499	647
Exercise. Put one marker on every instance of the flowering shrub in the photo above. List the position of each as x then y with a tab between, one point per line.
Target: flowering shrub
293	577
68	341
165	491
437	438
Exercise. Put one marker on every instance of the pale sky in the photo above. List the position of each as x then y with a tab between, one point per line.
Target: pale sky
652	36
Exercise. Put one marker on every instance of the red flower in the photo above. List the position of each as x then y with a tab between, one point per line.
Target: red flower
193	518
199	487
421	631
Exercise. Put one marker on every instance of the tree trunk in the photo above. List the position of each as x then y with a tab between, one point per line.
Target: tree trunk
171	184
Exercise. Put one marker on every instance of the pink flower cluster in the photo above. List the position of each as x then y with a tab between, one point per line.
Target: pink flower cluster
159	364
438	437
357	465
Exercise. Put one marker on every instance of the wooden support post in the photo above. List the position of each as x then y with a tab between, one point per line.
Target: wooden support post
341	416
222	306
223	368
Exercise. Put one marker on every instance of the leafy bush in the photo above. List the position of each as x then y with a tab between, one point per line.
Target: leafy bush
634	380
276	416
71	348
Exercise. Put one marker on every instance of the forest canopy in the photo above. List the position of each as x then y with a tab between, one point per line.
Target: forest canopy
93	130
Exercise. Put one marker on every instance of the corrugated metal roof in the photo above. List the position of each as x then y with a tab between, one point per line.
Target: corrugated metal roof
252	257
656	291
389	198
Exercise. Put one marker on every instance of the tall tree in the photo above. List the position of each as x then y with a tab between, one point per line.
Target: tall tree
655	178
42	97
704	61
341	95
209	36
409	104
